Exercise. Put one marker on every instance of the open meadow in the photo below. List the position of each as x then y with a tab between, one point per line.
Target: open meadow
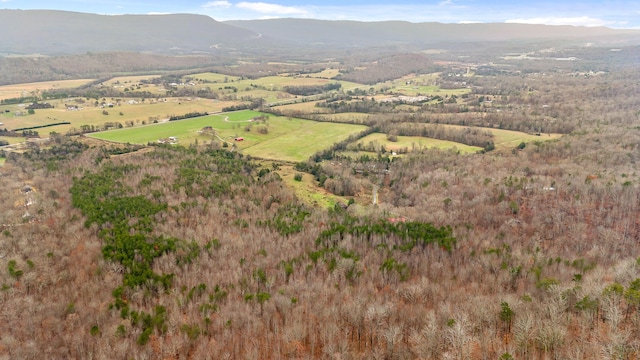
300	144
280	138
132	111
306	189
406	144
21	90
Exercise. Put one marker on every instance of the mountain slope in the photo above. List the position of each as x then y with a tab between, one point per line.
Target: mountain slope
61	32
354	33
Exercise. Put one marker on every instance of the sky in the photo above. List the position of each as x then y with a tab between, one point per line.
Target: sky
610	13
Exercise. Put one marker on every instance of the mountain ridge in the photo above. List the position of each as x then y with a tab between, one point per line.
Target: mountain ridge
55	32
62	32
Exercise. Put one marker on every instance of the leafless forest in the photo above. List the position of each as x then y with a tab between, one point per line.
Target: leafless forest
113	252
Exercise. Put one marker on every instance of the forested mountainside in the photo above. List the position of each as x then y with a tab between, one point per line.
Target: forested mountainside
385	33
198	252
346	191
62	32
50	32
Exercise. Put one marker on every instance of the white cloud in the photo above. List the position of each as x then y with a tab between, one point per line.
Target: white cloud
217	4
446	3
272	9
575	21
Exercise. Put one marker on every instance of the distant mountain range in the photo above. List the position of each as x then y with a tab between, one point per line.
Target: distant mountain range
51	32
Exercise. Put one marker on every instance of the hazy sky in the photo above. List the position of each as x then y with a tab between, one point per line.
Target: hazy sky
615	14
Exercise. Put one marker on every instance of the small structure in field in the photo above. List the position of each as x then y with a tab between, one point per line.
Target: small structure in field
170	140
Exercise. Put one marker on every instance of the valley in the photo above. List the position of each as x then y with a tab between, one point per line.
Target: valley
403	200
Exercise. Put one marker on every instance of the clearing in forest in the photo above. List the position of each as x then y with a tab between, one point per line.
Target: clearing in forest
263	135
375	142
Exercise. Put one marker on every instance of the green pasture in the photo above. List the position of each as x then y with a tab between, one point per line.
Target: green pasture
508	139
185	130
307	189
413	143
326	74
301	143
139	113
287	139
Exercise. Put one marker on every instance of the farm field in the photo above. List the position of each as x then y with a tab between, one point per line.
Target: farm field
124	80
89	114
186	130
508	139
308	107
286	139
413	85
346	117
411	143
302	143
20	90
415	90
213	77
279	82
503	139
326	74
12	140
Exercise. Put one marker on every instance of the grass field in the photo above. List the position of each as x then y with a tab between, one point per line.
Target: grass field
20	90
308	107
346	117
12	140
413	85
327	74
213	77
287	139
302	143
307	190
412	143
508	139
127	80
93	115
279	82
